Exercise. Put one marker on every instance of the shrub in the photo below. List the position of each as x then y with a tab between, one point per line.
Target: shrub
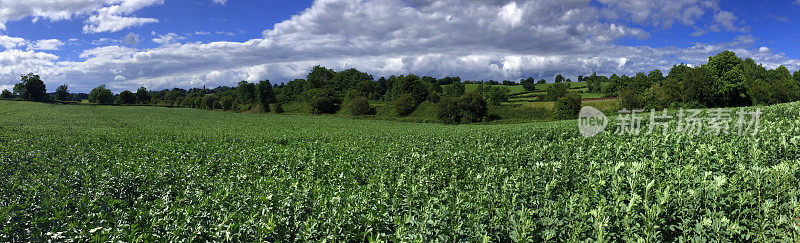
555	91
567	107
278	108
324	103
405	104
126	98
473	107
6	94
227	102
101	95
434	97
359	106
454	90
470	107
62	93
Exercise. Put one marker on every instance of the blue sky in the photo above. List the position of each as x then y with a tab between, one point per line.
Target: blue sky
161	44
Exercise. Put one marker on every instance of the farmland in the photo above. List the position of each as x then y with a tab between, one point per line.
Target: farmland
104	173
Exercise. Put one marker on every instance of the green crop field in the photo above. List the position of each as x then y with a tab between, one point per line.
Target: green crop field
102	173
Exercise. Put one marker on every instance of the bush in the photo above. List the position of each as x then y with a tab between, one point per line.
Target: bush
126	98
470	107
324	103
405	104
359	106
473	107
227	102
454	90
568	107
555	91
628	99
101	95
7	94
278	108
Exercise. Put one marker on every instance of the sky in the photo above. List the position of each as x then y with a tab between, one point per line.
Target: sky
162	44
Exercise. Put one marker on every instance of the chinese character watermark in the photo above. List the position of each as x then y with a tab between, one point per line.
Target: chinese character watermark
716	122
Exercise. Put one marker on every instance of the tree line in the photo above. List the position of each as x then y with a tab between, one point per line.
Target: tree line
725	80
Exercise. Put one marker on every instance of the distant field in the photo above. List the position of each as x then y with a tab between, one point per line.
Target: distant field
102	173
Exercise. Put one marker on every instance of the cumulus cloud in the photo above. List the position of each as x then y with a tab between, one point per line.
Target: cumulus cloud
49	45
481	40
106	15
132	39
220	1
9	42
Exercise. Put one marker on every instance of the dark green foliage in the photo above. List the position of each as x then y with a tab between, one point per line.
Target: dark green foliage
6	94
208	102
434	97
278	108
318	77
62	93
559	79
473	107
324	102
405	104
226	102
528	84
217	105
449	80
541	81
494	95
411	85
101	95
454	90
265	95
555	91
359	106
246	93
468	108
126	98
567	107
595	83
142	96
31	88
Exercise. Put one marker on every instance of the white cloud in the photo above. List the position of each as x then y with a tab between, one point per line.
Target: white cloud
763	49
9	42
168	39
426	37
48	45
797	2
220	1
132	39
106	15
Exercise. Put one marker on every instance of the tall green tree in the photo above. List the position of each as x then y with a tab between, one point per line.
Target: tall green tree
31	88
62	93
246	92
529	84
142	96
266	95
559	79
6	94
101	95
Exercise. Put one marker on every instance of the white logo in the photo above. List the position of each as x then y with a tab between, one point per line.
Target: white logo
591	121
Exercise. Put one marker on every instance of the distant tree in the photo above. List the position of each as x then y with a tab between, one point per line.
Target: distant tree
559	79
324	103
319	76
509	82
62	93
246	93
227	102
541	81
529	84
656	77
411	85
126	98
405	104
31	88
555	91
568	107
454	90
208	102
358	106
142	96
101	95
569	80
580	78
473	107
6	94
265	95
493	95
